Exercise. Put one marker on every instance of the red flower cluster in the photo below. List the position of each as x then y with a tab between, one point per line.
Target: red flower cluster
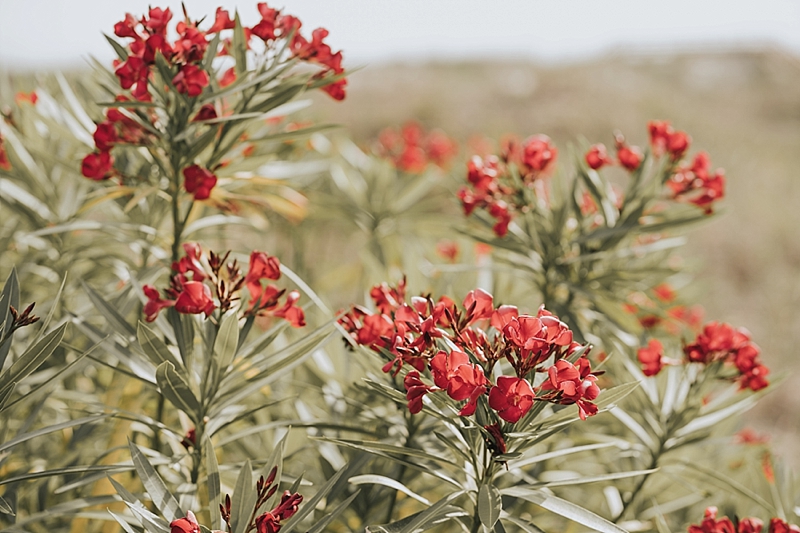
118	128
186	54
5	164
721	342
493	182
717	342
412	149
710	524
697	185
190	290
408	334
663	138
269	521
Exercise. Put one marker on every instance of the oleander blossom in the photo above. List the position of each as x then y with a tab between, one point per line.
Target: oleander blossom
458	346
411	149
712	524
206	283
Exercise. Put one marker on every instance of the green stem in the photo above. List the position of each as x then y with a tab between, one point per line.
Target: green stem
401	471
639	486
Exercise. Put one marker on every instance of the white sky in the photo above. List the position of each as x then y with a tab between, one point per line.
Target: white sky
62	33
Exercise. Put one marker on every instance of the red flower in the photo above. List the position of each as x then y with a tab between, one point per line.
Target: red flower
269	21
96	166
262	266
290	312
503	315
195	298
415	391
267	523
629	157
191	43
511	398
190	80
374	328
222	21
597	157
448	250
185	525
650	357
153	44
776	525
104	136
387	298
191	262
198	181
754	379
750	525
126	27
157	20
478	305
576	385
207	112
154	303
461	379
664	292
711	525
131	71
30	97
228	77
538	153
5	164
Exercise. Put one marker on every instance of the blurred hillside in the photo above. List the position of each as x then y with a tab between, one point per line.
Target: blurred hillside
743	108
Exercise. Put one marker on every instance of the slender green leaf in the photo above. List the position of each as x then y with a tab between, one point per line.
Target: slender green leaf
561	507
159	494
320	526
49	429
154	347
110	313
227	341
32	358
5	507
243	499
490	504
175	388
213	484
309	506
375	479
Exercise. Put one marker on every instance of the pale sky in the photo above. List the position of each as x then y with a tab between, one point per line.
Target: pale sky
40	34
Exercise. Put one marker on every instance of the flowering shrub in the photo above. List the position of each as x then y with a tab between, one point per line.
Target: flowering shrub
149	397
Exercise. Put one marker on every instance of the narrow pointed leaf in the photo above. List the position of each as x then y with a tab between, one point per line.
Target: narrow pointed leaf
175	388
160	496
32	358
154	347
243	499
490	504
375	479
561	507
227	341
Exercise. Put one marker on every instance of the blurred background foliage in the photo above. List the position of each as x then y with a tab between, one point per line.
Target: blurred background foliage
325	217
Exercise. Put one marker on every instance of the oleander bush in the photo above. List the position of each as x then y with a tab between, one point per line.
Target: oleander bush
246	321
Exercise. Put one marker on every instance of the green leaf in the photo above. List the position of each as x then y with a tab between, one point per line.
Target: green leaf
110	313
243	499
320	526
490	504
239	47
213	484
118	48
121	521
211	52
9	297
227	341
374	479
432	515
183	326
309	506
49	429
147	519
175	388
32	359
561	507
5	507
275	461
154	347
159	495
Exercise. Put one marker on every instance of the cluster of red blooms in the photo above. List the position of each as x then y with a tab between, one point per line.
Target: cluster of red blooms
269	521
662	310
266	522
493	183
461	363
412	149
185	58
190	293
710	524
694	184
717	342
